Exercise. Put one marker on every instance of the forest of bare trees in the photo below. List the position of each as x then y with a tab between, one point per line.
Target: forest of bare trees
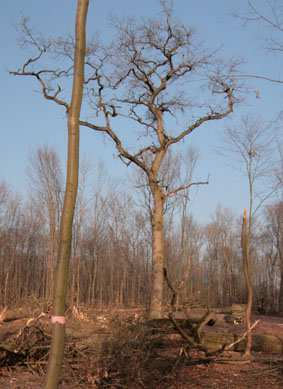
111	252
79	239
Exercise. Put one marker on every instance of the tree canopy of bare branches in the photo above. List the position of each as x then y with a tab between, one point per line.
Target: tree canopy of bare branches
154	75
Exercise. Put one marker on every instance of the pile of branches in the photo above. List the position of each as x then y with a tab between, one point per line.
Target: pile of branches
26	343
125	354
192	330
29	345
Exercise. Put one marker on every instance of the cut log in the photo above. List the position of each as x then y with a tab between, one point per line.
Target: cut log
195	313
215	340
239	311
267	343
260	342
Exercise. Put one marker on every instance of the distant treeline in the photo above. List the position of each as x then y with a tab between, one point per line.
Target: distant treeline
111	256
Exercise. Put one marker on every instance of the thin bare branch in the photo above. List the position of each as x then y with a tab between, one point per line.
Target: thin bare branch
270	79
184	187
44	88
120	148
242	337
206	118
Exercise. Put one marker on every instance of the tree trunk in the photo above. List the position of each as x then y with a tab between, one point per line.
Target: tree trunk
280	254
281	290
157	225
247	273
64	252
52	248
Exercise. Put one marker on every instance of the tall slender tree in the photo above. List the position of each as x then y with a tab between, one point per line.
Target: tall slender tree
275	219
252	144
65	239
245	242
73	110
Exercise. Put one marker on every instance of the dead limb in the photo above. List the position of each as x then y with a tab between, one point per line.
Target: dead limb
227	348
194	338
30	322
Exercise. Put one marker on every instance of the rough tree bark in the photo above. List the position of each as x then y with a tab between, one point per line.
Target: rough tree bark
157	251
65	239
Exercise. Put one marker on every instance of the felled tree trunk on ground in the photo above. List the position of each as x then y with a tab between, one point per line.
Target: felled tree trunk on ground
260	342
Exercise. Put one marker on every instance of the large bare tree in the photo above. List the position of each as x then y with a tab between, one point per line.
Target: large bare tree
151	75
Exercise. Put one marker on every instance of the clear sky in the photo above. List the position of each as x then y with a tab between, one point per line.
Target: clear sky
28	121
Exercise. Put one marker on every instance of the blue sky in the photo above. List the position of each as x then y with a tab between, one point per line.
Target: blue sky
28	121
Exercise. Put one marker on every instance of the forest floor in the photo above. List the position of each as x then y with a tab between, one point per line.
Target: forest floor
117	349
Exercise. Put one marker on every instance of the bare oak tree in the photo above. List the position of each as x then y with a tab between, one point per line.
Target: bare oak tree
145	77
150	75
